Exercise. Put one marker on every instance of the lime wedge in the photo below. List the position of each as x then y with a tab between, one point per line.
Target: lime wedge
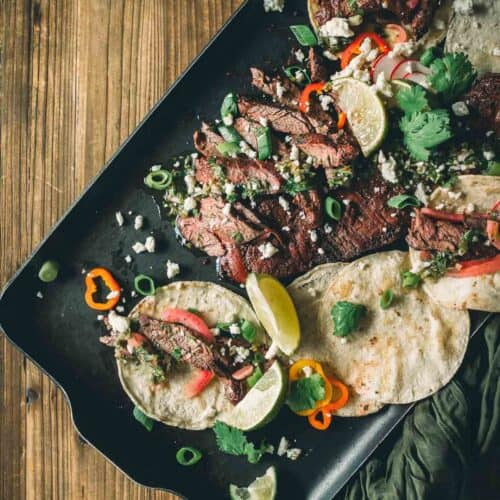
365	112
263	488
275	310
262	402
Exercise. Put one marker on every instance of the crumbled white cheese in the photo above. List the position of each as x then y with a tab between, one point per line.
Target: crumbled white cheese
459	108
119	218
155	168
138	247
299	55
234	329
489	155
495	52
328	229
247	150
229	188
138	222
119	324
321	251
120	309
190	181
285	228
150	244
215	331
263	121
299	76
228	120
242	353
283	446
194	156
173	269
382	85
267	250
274	5
355	20
455	195
421	194
387	167
293	453
284	203
463	7
469	209
307	370
313	235
39	295
404	49
128	259
100	317
336	27
294	153
330	55
113	294
280	90
326	101
177	164
189	204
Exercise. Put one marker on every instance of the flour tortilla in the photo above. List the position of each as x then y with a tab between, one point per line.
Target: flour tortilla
307	293
398	355
483	292
476	34
167	403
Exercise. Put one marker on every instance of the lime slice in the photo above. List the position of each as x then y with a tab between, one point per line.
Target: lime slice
263	488
262	402
365	112
275	310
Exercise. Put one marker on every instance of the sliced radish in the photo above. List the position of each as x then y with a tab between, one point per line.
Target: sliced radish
419	78
198	383
401	69
384	64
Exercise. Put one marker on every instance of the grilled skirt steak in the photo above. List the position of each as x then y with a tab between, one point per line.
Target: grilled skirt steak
483	100
317	67
206	141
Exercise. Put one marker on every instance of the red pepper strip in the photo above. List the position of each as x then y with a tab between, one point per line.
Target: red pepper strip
198	383
91	289
438	214
354	47
191	320
478	267
341	121
493	228
306	95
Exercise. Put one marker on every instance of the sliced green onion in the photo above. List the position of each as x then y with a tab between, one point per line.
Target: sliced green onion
159	180
493	168
49	271
182	456
404	201
248	331
254	378
229	134
229	106
264	143
333	208
228	148
143	419
386	299
291	72
304	35
144	285
410	280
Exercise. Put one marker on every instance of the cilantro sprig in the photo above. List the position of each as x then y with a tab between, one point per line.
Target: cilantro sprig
306	392
412	99
451	76
234	442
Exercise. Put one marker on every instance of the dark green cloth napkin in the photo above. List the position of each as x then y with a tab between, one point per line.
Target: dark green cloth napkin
446	438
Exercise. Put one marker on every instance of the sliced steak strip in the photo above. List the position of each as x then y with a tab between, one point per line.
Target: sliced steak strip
367	223
483	101
169	337
240	171
248	131
329	151
317	68
206	141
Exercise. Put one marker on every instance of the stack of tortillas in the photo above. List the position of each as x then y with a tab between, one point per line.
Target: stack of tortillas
396	355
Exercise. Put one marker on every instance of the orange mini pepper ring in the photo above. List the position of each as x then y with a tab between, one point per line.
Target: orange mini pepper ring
91	289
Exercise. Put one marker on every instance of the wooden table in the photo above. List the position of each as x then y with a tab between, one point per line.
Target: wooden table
77	76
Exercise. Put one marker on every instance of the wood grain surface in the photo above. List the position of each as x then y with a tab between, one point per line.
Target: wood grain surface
76	78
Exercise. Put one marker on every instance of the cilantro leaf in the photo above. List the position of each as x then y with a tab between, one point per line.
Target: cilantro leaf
305	392
451	75
412	99
346	317
425	130
234	442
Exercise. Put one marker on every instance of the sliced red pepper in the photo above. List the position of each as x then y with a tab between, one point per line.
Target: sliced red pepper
91	288
189	319
198	383
320	424
478	267
325	412
243	372
341	121
354	47
135	341
440	215
306	95
492	230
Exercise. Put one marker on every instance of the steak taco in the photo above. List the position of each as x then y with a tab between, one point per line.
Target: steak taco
455	244
186	355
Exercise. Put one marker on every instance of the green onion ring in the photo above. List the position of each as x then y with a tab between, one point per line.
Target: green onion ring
333	208
181	458
159	180
386	299
139	280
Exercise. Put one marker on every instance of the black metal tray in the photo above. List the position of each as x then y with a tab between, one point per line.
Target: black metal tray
60	333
